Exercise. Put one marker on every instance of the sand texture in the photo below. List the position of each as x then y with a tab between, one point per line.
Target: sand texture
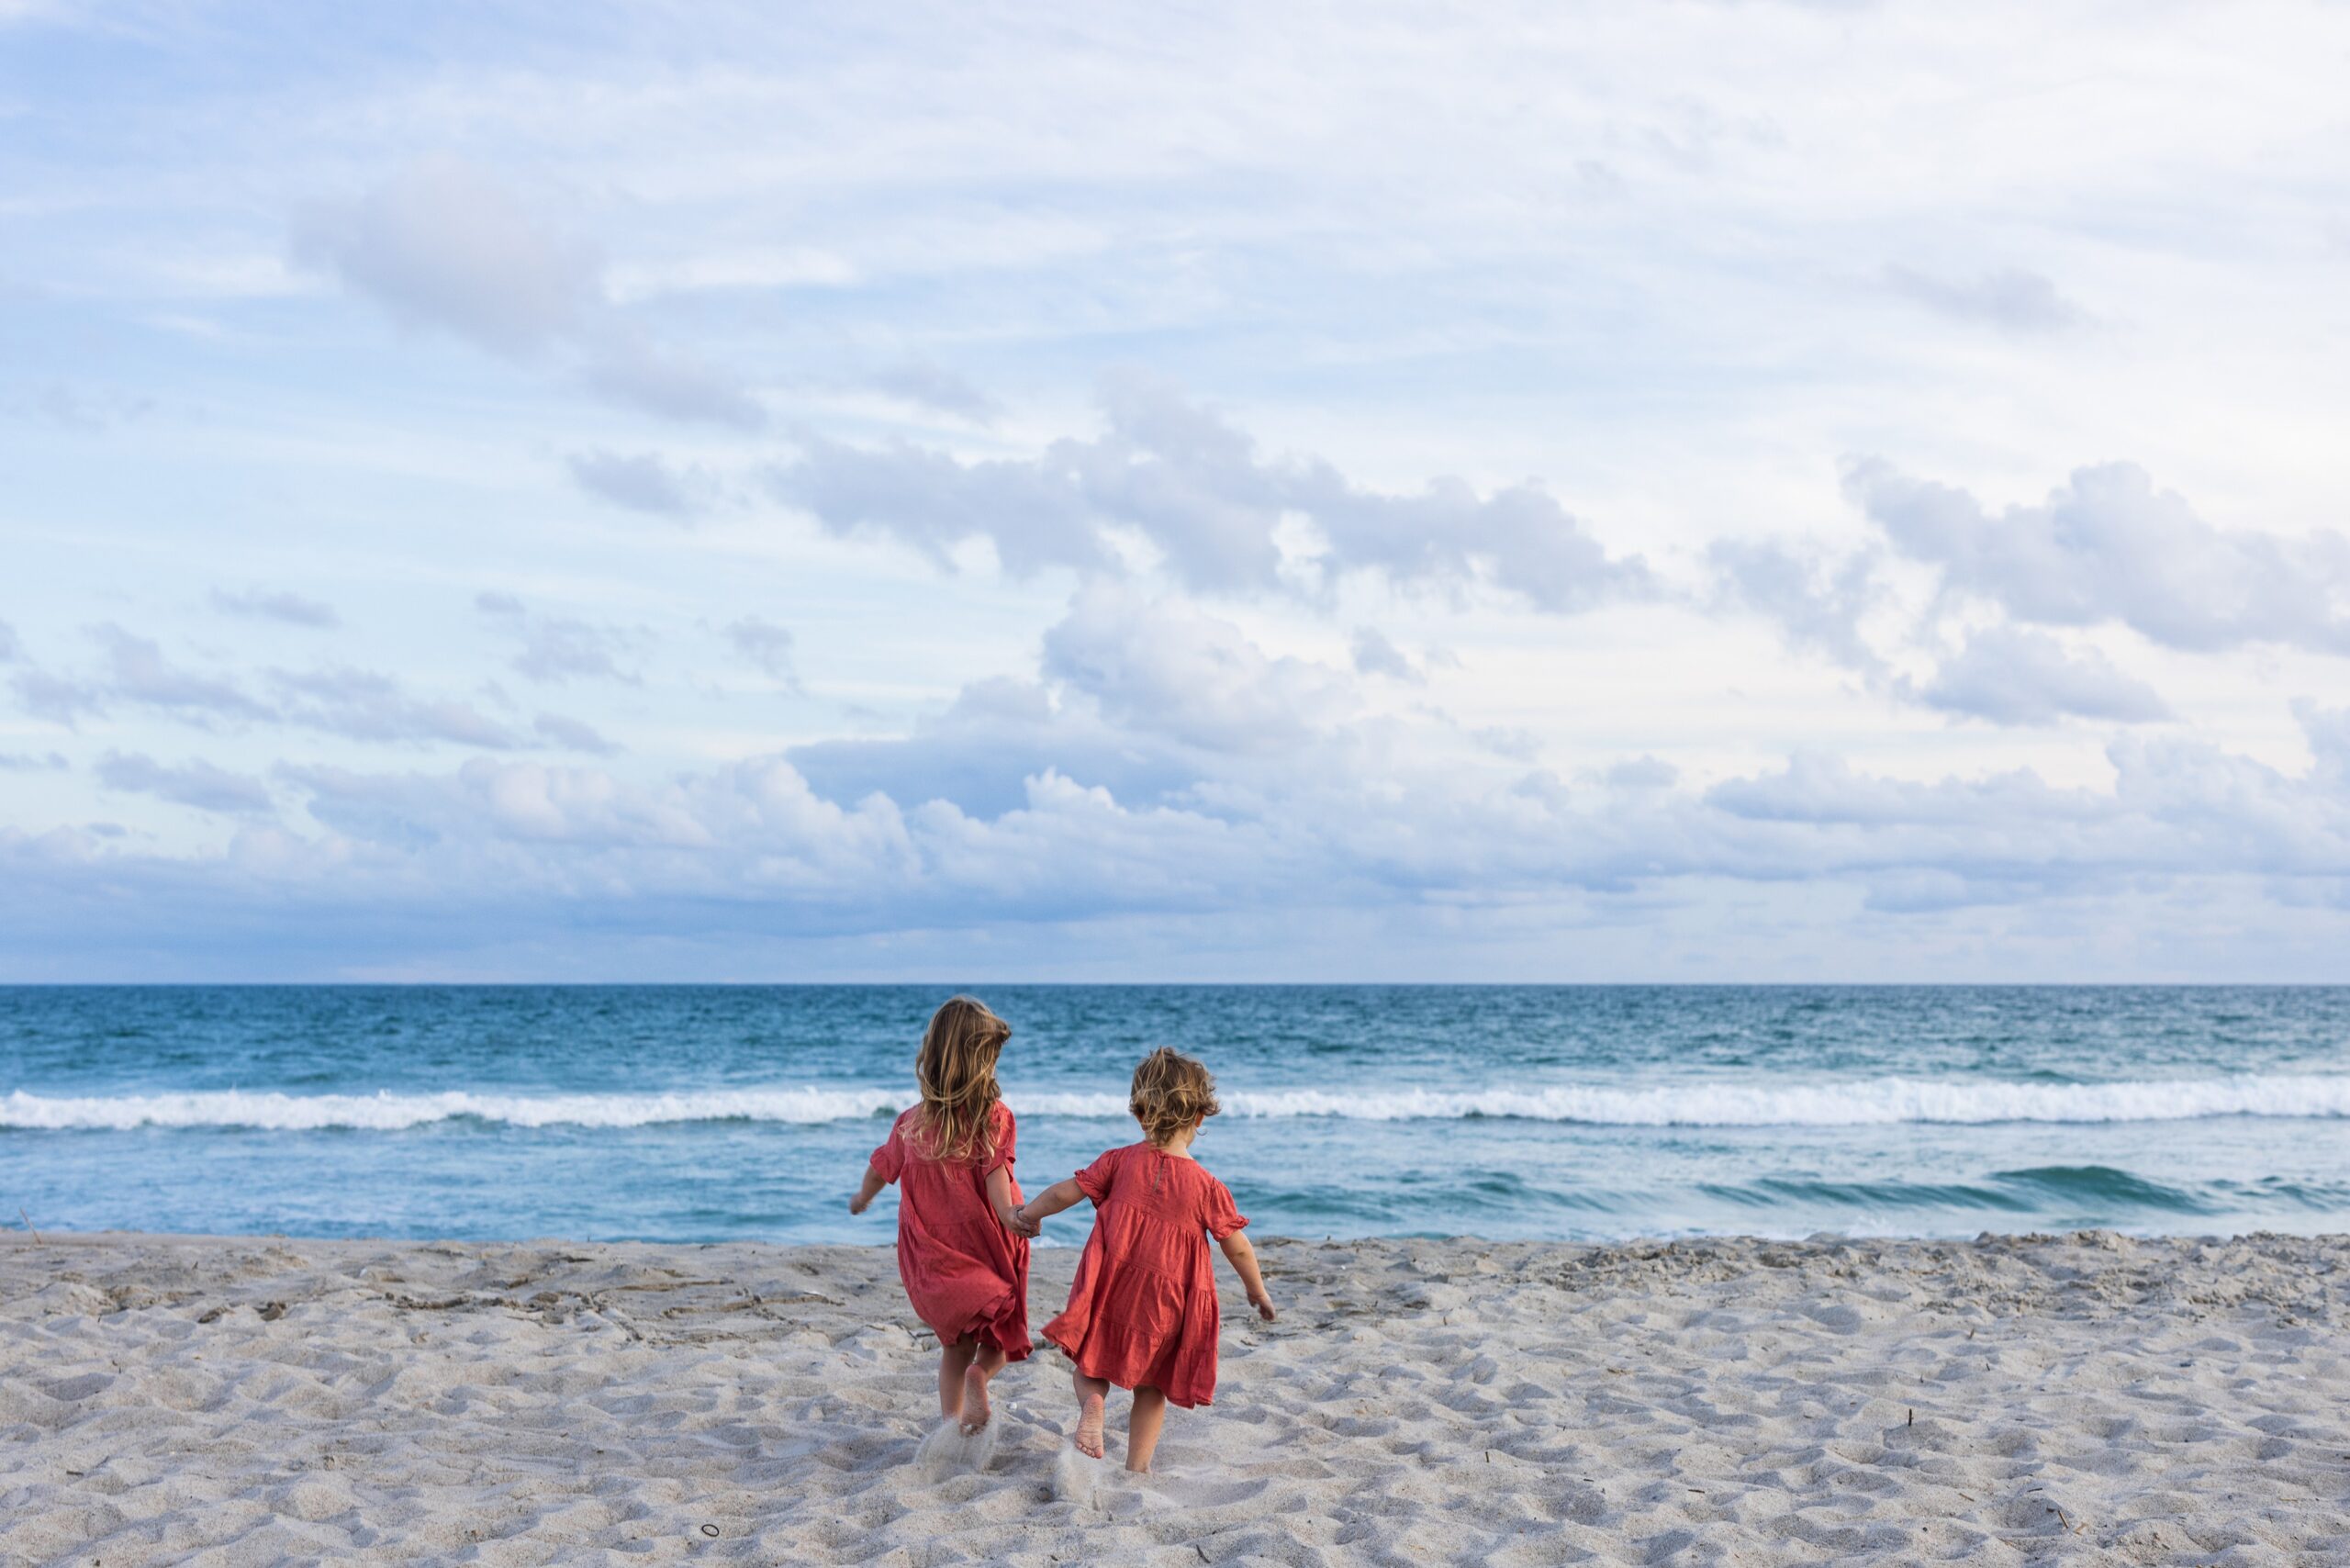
2081	1399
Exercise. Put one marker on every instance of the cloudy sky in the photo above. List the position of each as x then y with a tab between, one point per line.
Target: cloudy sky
1688	491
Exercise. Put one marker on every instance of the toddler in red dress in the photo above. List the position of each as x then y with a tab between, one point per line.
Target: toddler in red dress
1142	1311
961	1255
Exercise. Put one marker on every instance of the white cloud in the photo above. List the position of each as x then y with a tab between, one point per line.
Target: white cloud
992	739
763	643
752	844
264	604
444	245
1818	605
929	499
937	388
2107	546
1817	790
638	481
2327	730
1193	485
629	367
2012	299
195	783
57	699
1374	654
136	675
137	671
2015	676
883	240
1642	773
564	647
368	705
2105	550
572	736
1162	667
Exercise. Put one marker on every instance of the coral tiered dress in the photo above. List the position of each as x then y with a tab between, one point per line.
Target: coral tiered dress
966	1276
1142	1312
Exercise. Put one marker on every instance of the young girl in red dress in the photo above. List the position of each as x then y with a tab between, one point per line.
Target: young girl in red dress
963	1260
1142	1312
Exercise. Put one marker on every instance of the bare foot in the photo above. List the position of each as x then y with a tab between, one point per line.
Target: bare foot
975	1400
1089	1426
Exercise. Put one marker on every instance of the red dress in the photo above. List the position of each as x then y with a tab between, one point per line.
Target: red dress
1142	1310
966	1276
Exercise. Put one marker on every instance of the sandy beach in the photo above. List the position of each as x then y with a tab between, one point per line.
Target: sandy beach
2081	1399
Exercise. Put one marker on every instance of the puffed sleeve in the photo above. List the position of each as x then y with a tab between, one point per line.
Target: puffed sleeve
1096	1180
1223	1219
1006	1134
890	1158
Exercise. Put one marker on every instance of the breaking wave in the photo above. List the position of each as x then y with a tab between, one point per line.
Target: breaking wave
1876	1102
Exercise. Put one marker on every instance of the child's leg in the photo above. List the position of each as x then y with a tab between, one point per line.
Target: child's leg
1142	1426
1090	1392
985	1365
954	1360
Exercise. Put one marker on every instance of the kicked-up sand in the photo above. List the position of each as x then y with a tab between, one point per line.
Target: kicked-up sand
2083	1399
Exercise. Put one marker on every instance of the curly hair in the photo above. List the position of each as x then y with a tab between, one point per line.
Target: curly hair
1171	1092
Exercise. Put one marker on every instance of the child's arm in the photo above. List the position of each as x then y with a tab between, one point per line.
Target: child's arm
1050	1202
874	1183
1007	1212
1243	1259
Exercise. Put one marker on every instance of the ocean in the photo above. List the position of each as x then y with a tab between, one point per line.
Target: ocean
688	1112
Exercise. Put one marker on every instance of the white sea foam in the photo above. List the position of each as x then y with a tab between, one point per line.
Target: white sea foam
389	1113
1851	1103
1843	1103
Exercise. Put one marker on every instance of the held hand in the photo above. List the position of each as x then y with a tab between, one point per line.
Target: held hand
1264	1306
1016	1221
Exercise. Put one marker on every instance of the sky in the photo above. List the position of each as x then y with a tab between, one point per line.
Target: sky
1689	492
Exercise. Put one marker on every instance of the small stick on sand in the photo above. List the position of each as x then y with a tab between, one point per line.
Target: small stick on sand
28	1225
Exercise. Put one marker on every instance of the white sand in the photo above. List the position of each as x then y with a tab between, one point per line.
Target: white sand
2082	1399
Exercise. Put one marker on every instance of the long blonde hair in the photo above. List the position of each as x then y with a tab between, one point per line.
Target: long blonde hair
1171	1092
955	1070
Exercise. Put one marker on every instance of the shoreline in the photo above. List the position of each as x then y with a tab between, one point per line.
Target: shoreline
2088	1397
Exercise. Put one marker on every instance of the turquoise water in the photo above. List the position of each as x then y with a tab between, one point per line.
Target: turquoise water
699	1113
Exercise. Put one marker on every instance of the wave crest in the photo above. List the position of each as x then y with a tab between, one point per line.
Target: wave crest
1840	1103
391	1113
1877	1102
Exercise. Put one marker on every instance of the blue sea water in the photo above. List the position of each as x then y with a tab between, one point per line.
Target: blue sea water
1576	1112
